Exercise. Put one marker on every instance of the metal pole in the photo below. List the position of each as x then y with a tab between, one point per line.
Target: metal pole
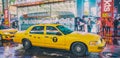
3	6
50	10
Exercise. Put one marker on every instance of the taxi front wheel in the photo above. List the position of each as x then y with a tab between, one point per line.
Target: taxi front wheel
26	44
79	49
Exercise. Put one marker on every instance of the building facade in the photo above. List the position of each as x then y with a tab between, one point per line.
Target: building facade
37	11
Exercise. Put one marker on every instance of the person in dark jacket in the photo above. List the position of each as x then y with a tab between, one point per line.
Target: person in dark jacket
115	22
76	23
89	25
103	22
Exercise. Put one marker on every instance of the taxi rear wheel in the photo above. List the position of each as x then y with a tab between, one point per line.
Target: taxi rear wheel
79	49
26	44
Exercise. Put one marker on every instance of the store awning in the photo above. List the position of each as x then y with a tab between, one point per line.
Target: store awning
29	3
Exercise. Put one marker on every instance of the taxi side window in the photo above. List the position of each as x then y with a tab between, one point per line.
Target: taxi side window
50	30
37	30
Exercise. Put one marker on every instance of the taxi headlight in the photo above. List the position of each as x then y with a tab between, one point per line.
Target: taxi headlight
6	33
99	41
94	43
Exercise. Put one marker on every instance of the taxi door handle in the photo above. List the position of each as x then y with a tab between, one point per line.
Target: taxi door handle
46	36
38	37
30	35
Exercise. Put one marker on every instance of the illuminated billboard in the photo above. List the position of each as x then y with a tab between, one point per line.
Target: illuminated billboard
107	7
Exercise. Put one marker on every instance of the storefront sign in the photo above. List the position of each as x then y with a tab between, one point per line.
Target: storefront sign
107	7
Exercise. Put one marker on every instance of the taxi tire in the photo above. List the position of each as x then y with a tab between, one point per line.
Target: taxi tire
83	52
28	45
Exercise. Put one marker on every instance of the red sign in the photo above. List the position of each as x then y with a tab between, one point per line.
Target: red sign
107	7
6	16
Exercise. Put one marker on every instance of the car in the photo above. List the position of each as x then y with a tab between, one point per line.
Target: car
59	37
7	33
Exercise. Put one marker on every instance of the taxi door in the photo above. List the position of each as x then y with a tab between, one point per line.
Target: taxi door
53	38
36	35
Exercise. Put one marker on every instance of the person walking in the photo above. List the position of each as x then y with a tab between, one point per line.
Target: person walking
89	25
103	25
98	23
76	21
108	25
115	23
81	25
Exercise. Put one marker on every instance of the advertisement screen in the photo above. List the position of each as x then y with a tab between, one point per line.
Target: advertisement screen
107	8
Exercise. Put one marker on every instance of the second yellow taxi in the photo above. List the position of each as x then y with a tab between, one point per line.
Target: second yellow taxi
7	33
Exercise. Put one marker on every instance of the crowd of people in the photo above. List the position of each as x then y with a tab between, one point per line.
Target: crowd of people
83	24
104	25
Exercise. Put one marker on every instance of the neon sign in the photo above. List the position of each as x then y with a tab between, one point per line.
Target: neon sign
107	8
107	5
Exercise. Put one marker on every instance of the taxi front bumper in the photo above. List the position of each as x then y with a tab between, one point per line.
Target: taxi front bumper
7	37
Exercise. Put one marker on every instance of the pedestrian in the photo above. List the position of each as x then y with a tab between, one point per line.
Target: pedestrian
76	24
89	25
103	24
81	25
98	23
108	25
115	23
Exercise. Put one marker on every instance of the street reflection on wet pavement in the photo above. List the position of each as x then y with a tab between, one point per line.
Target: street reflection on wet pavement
13	50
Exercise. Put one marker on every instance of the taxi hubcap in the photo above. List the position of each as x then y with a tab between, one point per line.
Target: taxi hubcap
26	43
78	48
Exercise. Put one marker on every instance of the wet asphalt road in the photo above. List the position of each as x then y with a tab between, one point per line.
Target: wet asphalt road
13	50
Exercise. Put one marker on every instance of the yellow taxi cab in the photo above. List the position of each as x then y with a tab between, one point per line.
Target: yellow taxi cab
59	37
6	33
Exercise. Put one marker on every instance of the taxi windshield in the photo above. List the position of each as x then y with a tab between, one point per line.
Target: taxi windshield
64	30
